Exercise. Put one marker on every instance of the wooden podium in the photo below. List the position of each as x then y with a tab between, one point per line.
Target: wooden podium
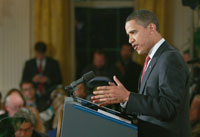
81	120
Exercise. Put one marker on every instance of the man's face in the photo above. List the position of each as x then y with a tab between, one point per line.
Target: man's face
40	56
80	92
28	91
25	130
99	60
126	52
14	103
139	36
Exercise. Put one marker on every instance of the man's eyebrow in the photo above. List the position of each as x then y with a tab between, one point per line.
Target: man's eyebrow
132	31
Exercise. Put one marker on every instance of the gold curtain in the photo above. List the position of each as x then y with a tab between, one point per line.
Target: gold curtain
158	7
163	11
51	25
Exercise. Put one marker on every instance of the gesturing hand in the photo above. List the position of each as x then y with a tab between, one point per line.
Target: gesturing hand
111	94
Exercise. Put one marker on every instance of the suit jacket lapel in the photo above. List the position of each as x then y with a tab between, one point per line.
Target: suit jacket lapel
46	65
151	66
35	67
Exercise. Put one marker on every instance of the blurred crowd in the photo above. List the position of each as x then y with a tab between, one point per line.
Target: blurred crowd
41	96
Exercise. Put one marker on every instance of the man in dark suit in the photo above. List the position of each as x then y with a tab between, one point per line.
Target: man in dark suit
43	71
162	104
100	65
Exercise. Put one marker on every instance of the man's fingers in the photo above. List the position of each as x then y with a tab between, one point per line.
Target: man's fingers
104	97
103	88
100	92
117	81
112	84
102	104
98	97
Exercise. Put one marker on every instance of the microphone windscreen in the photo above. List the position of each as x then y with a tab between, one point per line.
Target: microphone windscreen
88	76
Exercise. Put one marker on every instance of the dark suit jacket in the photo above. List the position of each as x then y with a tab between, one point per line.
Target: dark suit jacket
163	98
51	70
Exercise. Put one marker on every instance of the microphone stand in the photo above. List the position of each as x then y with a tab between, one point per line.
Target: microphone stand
71	92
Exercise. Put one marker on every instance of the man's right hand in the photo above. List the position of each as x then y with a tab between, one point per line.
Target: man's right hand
36	78
111	94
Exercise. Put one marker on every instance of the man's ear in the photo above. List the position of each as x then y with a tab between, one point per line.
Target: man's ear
152	27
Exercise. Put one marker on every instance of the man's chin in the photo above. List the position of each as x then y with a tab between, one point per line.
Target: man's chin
139	52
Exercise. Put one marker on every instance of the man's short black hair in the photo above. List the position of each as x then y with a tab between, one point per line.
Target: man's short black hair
40	47
26	82
144	18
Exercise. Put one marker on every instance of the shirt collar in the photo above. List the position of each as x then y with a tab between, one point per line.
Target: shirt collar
155	48
43	62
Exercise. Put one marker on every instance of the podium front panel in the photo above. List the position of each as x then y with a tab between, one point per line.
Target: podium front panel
80	121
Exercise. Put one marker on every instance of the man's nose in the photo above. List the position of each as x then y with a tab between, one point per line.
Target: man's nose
131	40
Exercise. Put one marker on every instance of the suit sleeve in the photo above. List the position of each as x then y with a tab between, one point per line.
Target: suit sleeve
170	90
27	73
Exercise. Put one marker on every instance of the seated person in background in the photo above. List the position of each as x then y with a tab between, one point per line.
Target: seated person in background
39	126
128	69
43	71
58	98
14	100
80	92
27	128
195	113
100	65
32	99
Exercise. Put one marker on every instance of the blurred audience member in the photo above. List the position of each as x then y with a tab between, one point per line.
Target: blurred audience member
39	126
186	56
195	116
43	71
129	70
14	100
58	98
27	128
195	109
81	91
32	99
100	66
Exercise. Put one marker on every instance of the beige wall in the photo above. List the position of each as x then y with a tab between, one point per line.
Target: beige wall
182	26
15	41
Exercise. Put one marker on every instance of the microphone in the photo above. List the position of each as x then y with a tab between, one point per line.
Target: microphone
85	78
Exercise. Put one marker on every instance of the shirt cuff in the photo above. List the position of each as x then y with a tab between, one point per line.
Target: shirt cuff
123	105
